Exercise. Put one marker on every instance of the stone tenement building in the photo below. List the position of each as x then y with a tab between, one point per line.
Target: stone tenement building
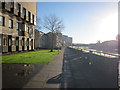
17	21
45	41
54	40
41	40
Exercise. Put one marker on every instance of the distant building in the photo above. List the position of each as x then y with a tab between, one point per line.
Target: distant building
38	39
54	40
41	40
67	41
49	40
17	21
44	41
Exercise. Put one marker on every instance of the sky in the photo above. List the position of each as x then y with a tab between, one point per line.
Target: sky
85	22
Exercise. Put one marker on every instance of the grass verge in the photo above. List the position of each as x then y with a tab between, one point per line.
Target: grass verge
36	57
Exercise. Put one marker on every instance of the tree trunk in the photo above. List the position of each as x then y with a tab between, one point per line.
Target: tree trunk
52	42
51	50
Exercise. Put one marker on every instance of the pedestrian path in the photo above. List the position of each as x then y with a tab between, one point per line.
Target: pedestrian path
49	76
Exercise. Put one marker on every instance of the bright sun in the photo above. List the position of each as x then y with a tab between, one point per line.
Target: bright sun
108	29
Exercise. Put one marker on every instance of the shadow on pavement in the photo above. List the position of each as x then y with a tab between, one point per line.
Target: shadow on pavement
55	79
18	75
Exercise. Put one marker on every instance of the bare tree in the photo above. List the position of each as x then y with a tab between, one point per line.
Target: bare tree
39	23
54	24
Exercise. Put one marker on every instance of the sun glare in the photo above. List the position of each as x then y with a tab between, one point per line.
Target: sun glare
108	27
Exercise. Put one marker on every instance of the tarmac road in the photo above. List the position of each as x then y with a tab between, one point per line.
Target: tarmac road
85	70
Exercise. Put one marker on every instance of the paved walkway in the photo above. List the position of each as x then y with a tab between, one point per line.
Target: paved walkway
49	76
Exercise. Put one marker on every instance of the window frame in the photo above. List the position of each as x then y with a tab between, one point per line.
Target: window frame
10	25
17	42
23	11
17	26
27	13
0	41
13	41
2	21
16	5
4	41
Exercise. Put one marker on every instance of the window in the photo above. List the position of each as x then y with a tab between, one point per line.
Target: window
4	41
13	41
0	41
2	20
27	29
21	9
17	26
22	43
29	15
25	26
26	13
27	42
15	5
32	42
17	42
7	3
10	42
10	23
34	20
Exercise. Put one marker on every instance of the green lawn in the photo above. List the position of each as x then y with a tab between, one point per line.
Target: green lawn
36	57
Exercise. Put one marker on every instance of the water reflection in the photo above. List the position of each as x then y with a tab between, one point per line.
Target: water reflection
17	75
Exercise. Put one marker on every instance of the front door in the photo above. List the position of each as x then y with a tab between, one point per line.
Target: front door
27	44
23	44
32	44
9	43
17	43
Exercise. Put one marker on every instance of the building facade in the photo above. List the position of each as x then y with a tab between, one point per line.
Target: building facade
40	40
17	24
54	40
67	41
51	40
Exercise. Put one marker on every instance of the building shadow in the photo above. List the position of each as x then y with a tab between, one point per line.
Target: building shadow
18	75
56	79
